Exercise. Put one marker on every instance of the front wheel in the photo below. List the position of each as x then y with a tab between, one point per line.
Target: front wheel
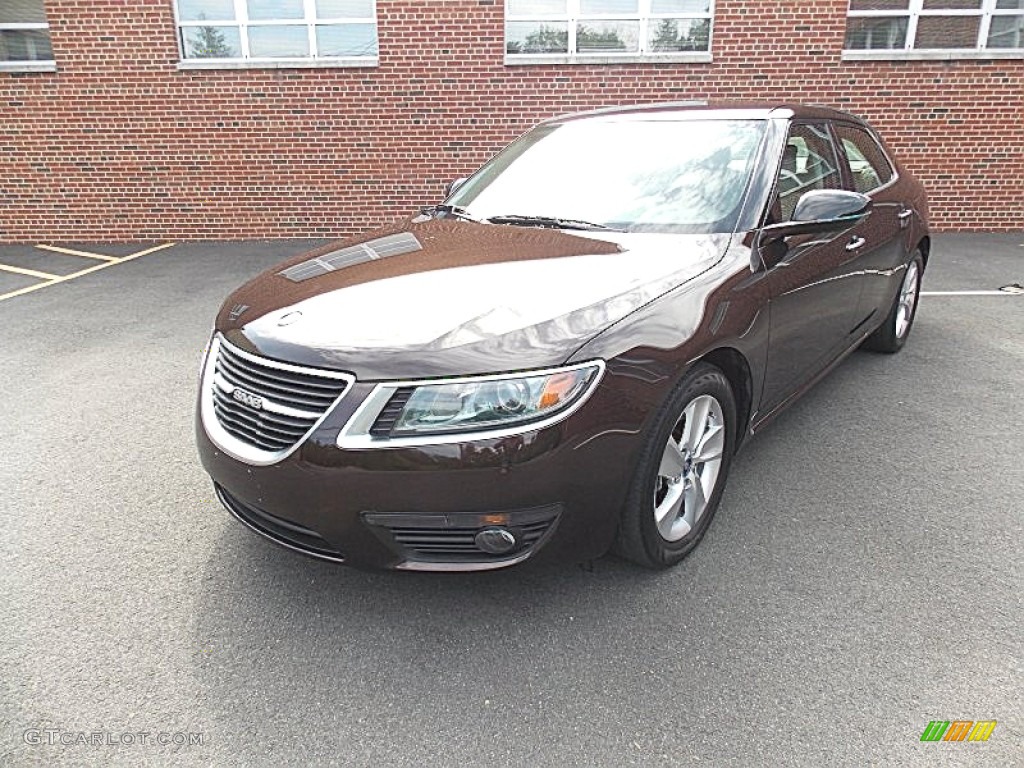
892	334
682	471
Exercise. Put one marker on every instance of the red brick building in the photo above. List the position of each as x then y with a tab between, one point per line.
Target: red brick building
125	119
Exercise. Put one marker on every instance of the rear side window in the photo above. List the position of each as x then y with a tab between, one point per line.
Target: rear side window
869	166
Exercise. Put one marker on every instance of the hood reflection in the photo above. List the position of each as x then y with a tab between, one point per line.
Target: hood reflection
475	298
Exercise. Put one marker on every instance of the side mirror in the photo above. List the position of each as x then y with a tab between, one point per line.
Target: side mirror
453	186
821	210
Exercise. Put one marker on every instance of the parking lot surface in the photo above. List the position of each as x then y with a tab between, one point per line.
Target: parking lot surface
862	578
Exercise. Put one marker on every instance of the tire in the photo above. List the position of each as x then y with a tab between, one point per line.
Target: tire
892	334
648	533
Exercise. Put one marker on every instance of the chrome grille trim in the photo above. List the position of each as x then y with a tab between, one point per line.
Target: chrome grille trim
293	402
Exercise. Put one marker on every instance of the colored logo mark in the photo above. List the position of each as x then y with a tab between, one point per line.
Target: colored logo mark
958	730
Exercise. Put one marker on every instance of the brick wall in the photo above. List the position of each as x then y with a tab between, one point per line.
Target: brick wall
119	144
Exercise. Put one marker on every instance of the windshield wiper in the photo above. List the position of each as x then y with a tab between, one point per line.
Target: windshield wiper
552	222
455	211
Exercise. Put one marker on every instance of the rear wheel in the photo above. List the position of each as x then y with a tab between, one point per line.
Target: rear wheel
892	334
682	471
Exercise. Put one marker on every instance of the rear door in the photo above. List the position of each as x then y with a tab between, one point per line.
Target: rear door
814	289
881	251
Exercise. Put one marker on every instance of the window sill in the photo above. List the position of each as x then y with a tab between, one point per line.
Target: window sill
519	59
190	64
950	55
28	66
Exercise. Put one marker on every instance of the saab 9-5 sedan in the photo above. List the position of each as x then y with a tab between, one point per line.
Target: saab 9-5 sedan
564	356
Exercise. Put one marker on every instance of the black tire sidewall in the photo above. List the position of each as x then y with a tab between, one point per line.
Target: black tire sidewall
901	340
885	338
703	379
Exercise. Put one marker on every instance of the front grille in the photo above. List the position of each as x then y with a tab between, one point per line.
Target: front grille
451	538
268	405
284	532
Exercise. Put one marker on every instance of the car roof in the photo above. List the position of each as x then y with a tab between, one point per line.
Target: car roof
708	110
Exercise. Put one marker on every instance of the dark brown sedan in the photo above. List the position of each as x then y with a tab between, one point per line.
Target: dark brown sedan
565	355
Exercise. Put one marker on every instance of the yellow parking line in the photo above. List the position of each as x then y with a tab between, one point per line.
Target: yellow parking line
28	272
73	275
70	252
148	251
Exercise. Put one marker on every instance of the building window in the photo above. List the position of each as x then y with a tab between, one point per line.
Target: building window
24	36
588	29
276	32
950	26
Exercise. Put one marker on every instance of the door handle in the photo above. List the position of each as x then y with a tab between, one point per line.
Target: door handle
855	244
905	214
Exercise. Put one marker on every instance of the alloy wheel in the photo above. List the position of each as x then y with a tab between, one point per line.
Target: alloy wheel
689	468
907	300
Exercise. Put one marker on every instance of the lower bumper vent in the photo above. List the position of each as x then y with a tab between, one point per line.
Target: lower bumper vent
283	532
455	538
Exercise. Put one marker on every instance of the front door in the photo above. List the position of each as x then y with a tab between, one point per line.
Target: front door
882	252
812	278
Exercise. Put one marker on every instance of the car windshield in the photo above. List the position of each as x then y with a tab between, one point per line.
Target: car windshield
641	176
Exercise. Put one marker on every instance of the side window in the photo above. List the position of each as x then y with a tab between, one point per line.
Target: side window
808	162
868	165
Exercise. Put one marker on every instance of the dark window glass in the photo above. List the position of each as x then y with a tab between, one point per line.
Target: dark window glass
1006	32
957	5
869	166
868	33
947	32
879	5
934	25
22	12
808	163
25	45
29	41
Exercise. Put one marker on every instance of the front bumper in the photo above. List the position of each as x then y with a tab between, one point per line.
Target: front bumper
558	489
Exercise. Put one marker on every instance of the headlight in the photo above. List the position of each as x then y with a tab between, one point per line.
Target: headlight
425	412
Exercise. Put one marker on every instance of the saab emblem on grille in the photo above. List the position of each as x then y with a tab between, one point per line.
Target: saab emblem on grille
246	398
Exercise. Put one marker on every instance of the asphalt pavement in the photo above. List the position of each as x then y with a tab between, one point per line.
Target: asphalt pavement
862	578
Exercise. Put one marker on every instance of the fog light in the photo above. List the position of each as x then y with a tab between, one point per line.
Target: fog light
496	541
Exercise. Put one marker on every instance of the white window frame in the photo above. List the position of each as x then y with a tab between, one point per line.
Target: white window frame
242	22
45	65
913	14
644	15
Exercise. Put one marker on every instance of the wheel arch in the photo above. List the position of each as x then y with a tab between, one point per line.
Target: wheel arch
925	246
734	365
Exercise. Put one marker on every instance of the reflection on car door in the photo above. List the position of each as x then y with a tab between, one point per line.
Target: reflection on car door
812	280
869	172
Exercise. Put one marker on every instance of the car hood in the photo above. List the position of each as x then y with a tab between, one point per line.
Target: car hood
442	297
